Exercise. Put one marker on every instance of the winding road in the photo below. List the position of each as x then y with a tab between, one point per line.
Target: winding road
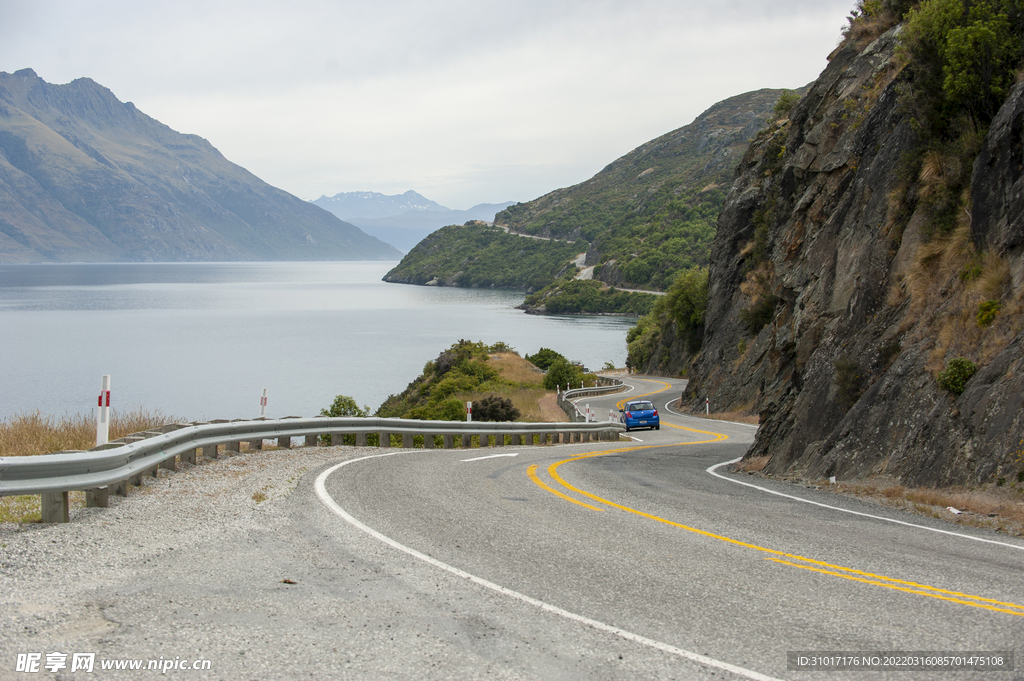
638	559
648	543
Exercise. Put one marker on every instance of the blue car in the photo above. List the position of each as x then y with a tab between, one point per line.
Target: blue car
640	414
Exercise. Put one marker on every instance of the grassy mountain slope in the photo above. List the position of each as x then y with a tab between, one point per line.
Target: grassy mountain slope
477	255
84	176
651	213
642	220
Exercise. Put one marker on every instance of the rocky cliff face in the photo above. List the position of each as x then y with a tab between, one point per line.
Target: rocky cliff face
85	177
830	314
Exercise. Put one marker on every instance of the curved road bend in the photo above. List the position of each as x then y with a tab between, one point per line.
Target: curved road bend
601	561
639	540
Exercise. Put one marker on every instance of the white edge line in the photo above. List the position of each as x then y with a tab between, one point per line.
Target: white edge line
321	491
691	416
492	456
711	470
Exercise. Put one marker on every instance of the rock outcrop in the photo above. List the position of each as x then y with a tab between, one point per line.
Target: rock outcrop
831	316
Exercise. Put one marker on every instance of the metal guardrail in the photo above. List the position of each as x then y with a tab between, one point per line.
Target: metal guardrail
120	463
565	400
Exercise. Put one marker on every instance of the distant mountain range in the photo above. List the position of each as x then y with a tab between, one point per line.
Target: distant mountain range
86	177
402	220
348	205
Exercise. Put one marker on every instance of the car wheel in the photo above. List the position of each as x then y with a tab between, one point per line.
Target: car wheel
657	427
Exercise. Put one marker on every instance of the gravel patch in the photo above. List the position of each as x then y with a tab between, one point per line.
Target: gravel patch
61	585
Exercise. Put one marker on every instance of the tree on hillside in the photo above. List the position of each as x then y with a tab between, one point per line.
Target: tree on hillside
562	373
544	358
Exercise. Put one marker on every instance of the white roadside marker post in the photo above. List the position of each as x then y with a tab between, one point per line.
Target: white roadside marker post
469	412
103	412
707	405
263	405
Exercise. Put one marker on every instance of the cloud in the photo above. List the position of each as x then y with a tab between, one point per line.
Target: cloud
464	101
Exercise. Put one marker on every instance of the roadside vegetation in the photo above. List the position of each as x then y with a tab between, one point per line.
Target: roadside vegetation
476	255
680	312
962	59
574	296
475	372
34	433
996	506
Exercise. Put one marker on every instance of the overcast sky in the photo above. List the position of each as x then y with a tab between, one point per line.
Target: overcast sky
465	101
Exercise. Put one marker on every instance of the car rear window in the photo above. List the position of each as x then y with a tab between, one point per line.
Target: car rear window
641	406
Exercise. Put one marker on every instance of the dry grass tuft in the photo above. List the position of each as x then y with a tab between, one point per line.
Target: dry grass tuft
512	367
995	277
29	434
865	29
754	464
739	416
992	506
946	285
529	402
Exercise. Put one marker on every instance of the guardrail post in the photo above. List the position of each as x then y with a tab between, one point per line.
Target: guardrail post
54	507
210	452
449	440
170	464
311	440
428	440
284	443
407	440
97	497
189	457
103	412
385	439
467	441
485	440
121	488
360	439
337	439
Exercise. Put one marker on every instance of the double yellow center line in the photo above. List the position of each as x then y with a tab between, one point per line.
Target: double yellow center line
781	557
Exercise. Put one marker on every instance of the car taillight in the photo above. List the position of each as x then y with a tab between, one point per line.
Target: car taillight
655	412
629	415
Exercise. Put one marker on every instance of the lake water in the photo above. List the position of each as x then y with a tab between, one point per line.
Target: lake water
202	340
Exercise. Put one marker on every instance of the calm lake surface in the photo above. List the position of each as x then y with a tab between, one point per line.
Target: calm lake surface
202	340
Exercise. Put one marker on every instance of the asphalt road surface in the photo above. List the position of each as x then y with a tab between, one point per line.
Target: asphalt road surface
626	560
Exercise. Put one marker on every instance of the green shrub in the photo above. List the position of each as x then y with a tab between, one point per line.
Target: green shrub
787	100
888	353
849	381
494	408
343	405
544	358
963	56
757	316
987	312
956	374
562	373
